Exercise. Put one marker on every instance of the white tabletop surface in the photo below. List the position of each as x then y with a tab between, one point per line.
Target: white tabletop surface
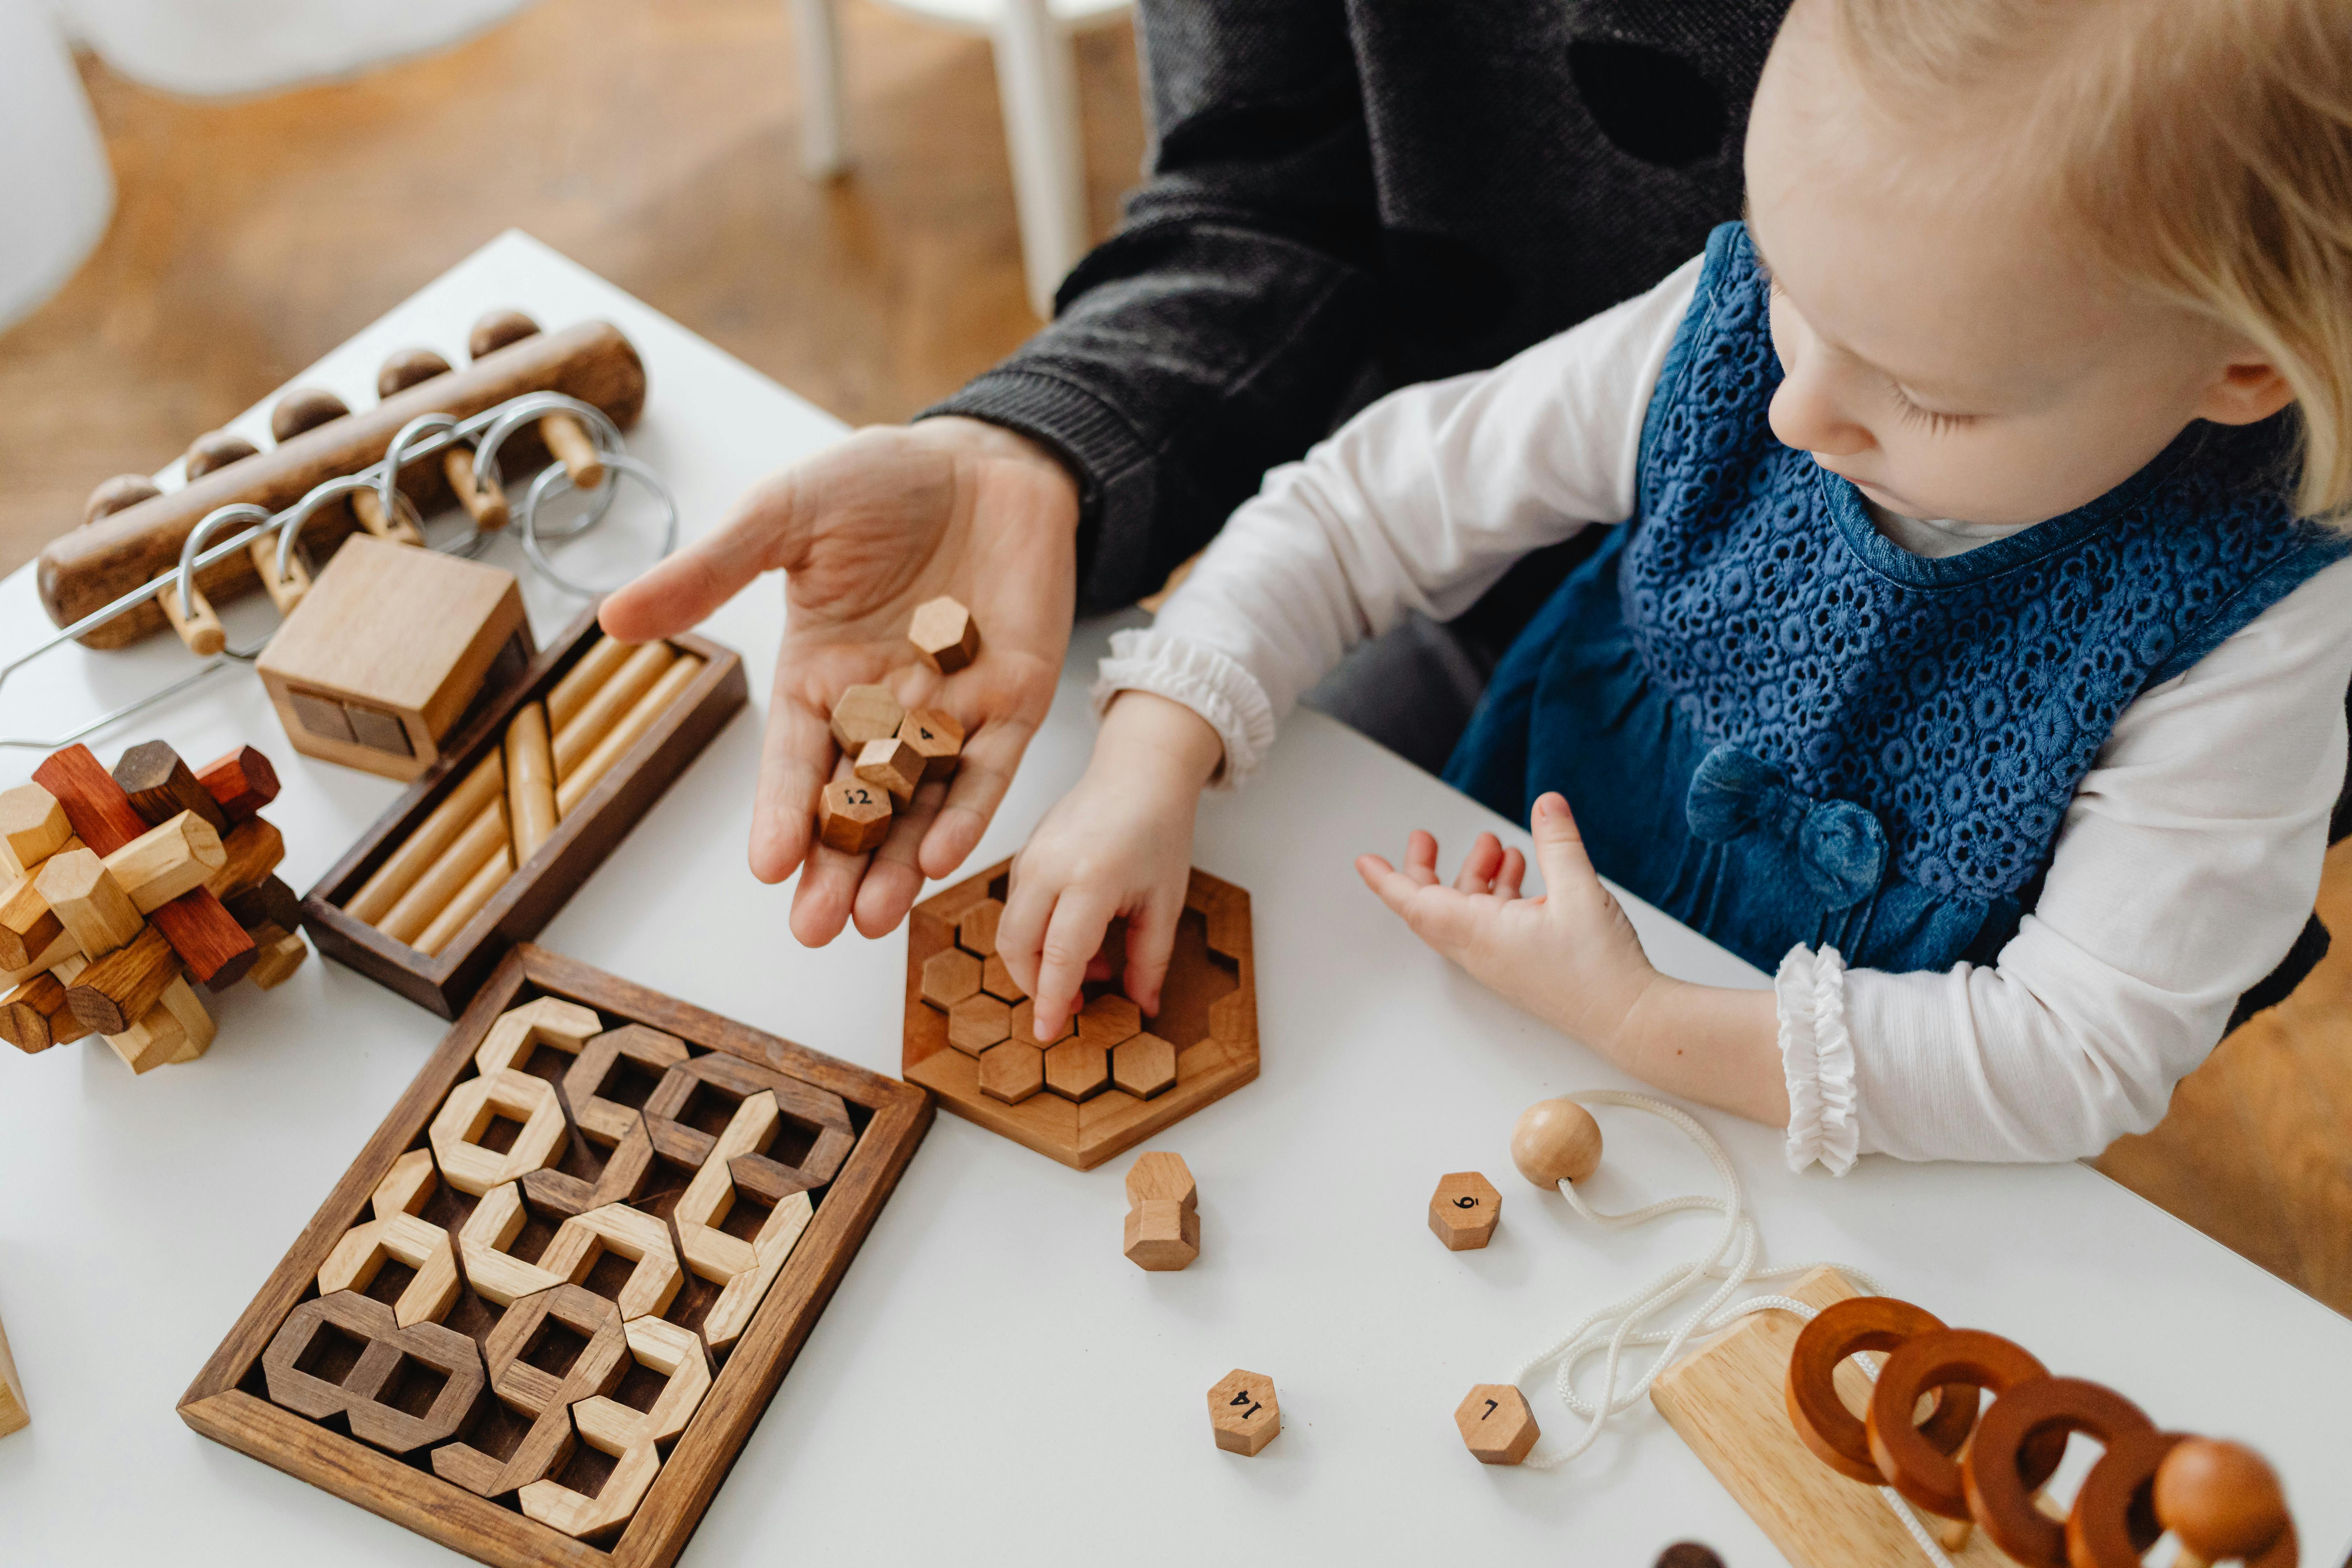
994	1381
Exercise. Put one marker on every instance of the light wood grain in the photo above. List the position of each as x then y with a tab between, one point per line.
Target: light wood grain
94	909
635	724
170	858
13	1414
33	826
604	704
434	836
530	781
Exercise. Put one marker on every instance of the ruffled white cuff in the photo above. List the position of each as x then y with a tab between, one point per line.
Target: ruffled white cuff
1817	1058
1219	689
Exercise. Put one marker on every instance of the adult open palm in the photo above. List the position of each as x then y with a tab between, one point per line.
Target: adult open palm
864	532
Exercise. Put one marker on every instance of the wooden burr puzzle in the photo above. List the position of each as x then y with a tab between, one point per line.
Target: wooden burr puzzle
118	888
539	1315
1111	1081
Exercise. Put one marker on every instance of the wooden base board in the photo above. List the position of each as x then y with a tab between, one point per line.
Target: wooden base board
1730	1402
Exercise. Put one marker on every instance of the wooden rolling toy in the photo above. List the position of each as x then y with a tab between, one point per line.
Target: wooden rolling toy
120	889
892	750
581	1407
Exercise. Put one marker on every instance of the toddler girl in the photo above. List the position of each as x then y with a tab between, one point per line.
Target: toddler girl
1971	644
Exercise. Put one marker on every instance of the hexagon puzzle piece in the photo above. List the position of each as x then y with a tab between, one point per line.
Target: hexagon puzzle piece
949	975
1242	1412
1496	1424
1011	1071
302	1356
945	635
1463	1211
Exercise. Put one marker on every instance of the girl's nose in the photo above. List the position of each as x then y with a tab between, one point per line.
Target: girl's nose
1809	415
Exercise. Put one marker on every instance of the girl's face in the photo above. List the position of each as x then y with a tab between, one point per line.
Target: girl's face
1945	345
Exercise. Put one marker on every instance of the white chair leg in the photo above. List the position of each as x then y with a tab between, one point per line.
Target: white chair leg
1037	78
817	33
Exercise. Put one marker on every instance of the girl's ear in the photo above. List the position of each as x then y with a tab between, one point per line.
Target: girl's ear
2247	391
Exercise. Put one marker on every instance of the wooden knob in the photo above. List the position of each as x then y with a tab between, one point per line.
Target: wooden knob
2220	1499
113	495
406	368
1554	1141
497	330
216	450
304	408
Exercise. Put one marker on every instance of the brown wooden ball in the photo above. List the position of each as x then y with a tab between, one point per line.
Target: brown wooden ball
114	494
407	368
305	408
497	330
2222	1499
216	450
1554	1141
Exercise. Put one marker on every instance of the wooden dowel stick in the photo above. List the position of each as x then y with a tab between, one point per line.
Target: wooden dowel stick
483	838
487	507
435	834
588	673
468	903
597	716
626	734
530	781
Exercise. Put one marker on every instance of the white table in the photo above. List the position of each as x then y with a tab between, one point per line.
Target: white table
993	1382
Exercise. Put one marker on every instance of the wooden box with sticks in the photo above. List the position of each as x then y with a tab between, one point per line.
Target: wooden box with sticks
525	802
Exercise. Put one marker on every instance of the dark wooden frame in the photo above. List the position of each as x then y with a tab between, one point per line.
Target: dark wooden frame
422	1502
540	884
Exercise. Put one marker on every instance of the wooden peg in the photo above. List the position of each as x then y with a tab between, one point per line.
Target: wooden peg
95	806
945	635
160	786
531	779
175	1029
854	816
63	950
391	527
414	367
865	713
268	902
278	960
13	1416
937	738
304	408
168	859
115	494
30	927
199	627
1554	1141
635	724
1496	1424
96	912
2222	1500
477	891
284	589
252	850
33	826
34	1016
1462	1215
448	822
240	783
598	663
1144	1067
115	992
483	839
1244	1413
215	450
1012	1070
567	440
593	711
893	764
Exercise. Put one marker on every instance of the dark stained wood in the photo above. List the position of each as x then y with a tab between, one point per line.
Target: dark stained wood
115	991
252	849
241	782
540	886
160	785
272	901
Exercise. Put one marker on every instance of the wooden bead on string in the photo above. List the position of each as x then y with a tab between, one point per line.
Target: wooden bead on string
1554	1141
2222	1500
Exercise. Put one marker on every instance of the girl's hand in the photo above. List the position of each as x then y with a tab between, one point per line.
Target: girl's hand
1118	844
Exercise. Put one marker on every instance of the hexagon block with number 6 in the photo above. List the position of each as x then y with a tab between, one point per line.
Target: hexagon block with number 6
1463	1211
1242	1412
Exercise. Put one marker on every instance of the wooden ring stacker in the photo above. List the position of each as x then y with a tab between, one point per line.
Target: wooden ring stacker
2023	1416
1835	1434
2112	1523
563	435
1941	1359
412	367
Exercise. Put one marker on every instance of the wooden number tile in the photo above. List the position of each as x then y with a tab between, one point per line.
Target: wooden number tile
731	1314
115	992
1242	1412
1076	1069
1011	1071
33	826
976	930
34	1016
160	786
467	1113
1161	1235
95	910
632	1050
14	1416
708	1250
819	1114
1162	1174
278	960
407	1186
630	1437
482	1242
945	635
100	813
550	1021
418	1243
1496	1424
30	927
241	782
308	1369
172	857
626	1167
997	980
893	765
854	816
628	1233
1025	1025
1143	1066
251	852
977	1023
1109	1019
865	713
949	975
1463	1212
545	1354
937	738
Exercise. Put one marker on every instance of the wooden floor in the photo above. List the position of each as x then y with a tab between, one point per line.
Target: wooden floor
658	145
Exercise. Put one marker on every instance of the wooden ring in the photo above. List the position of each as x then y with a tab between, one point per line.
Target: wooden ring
2114	1521
1939	1359
1998	1493
1835	1434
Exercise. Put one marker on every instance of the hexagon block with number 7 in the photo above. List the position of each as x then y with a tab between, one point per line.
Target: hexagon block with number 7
1242	1412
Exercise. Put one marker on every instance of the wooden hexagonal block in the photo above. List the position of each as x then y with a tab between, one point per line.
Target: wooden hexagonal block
892	764
976	931
1162	1174
1496	1424
1161	1235
1011	1071
854	816
1109	1019
977	1023
1242	1412
949	975
1076	1070
865	713
1025	1024
945	635
937	738
1463	1211
1144	1066
997	980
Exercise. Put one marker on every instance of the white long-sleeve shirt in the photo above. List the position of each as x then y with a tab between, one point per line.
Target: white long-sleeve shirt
2188	859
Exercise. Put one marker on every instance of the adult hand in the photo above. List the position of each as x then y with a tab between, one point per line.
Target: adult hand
864	532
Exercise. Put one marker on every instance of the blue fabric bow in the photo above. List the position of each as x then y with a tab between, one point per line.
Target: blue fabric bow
1840	850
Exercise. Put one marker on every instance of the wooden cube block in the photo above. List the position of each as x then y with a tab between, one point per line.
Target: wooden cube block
1242	1412
242	782
997	980
977	1023
278	960
1076	1069
1162	1234
937	738
1496	1424
28	927
854	816
168	859
33	826
893	764
1109	1019
389	647
13	1416
115	992
949	975
1012	1070
945	635
160	786
95	910
1463	1212
976	931
1162	1174
1144	1066
865	713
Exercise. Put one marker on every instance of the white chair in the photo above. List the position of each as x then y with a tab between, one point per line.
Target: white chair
1037	79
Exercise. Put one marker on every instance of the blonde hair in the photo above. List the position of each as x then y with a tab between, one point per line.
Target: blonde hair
2206	145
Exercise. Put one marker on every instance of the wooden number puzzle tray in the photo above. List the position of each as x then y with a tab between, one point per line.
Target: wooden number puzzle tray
537	1317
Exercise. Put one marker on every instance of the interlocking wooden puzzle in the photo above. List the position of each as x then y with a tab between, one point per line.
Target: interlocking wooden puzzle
1109	1083
539	1315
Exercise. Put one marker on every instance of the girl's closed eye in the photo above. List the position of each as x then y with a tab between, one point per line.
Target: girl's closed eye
1927	419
